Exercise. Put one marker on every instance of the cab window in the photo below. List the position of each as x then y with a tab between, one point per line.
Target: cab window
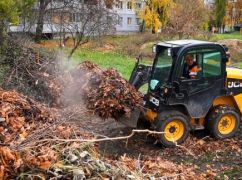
212	64
201	64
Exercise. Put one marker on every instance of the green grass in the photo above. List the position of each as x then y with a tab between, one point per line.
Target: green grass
238	65
233	173
235	35
122	63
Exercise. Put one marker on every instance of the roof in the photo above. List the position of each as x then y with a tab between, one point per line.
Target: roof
178	43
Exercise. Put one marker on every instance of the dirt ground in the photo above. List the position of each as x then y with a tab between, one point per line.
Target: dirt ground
210	158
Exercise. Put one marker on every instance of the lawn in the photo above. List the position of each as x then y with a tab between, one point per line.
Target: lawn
235	35
122	63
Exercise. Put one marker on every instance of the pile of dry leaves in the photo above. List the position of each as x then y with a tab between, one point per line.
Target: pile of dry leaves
38	142
104	91
31	71
20	116
17	116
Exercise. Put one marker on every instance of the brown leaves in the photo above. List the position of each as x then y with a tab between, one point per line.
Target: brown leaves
6	155
10	161
16	112
64	131
106	92
159	167
19	117
42	160
202	146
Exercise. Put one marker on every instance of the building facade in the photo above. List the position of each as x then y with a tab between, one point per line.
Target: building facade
128	18
125	12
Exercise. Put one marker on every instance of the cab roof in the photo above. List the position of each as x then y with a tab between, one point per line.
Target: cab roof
180	43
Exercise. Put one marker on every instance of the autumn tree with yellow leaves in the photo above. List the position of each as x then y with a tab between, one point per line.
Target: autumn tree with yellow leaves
155	13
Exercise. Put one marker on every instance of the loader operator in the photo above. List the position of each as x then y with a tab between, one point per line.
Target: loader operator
191	68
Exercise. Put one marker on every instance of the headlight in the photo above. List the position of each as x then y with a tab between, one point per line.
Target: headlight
166	90
154	48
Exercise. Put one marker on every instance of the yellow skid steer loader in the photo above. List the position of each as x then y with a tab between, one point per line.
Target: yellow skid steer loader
177	103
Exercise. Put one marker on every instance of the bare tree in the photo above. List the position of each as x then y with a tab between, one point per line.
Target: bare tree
82	21
187	18
95	21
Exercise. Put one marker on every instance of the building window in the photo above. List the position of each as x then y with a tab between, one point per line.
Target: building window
138	5
129	5
109	19
72	17
78	17
120	21
119	5
91	2
138	21
129	20
75	17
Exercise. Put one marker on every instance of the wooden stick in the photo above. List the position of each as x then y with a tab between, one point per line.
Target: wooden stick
103	139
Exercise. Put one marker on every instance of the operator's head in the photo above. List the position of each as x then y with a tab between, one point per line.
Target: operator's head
189	59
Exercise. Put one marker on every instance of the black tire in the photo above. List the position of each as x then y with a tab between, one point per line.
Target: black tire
219	113
164	119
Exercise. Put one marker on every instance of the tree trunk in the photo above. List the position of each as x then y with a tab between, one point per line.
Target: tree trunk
219	29
142	26
2	33
78	44
40	21
153	30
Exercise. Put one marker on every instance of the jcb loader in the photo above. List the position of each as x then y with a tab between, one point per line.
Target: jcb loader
175	105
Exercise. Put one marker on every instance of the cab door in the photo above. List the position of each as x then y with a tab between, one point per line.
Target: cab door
198	92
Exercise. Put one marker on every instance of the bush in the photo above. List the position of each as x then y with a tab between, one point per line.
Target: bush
133	45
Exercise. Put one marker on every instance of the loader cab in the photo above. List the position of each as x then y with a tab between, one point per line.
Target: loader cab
168	86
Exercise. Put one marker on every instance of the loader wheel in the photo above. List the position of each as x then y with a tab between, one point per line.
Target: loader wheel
175	126
223	122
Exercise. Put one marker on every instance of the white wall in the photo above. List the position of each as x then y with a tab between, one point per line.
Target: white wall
126	13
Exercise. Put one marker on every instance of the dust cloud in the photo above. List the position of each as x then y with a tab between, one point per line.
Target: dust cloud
71	80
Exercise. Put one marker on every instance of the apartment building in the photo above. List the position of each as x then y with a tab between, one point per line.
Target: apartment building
128	18
125	12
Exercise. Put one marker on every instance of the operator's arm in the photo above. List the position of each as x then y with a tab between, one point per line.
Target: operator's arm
194	71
